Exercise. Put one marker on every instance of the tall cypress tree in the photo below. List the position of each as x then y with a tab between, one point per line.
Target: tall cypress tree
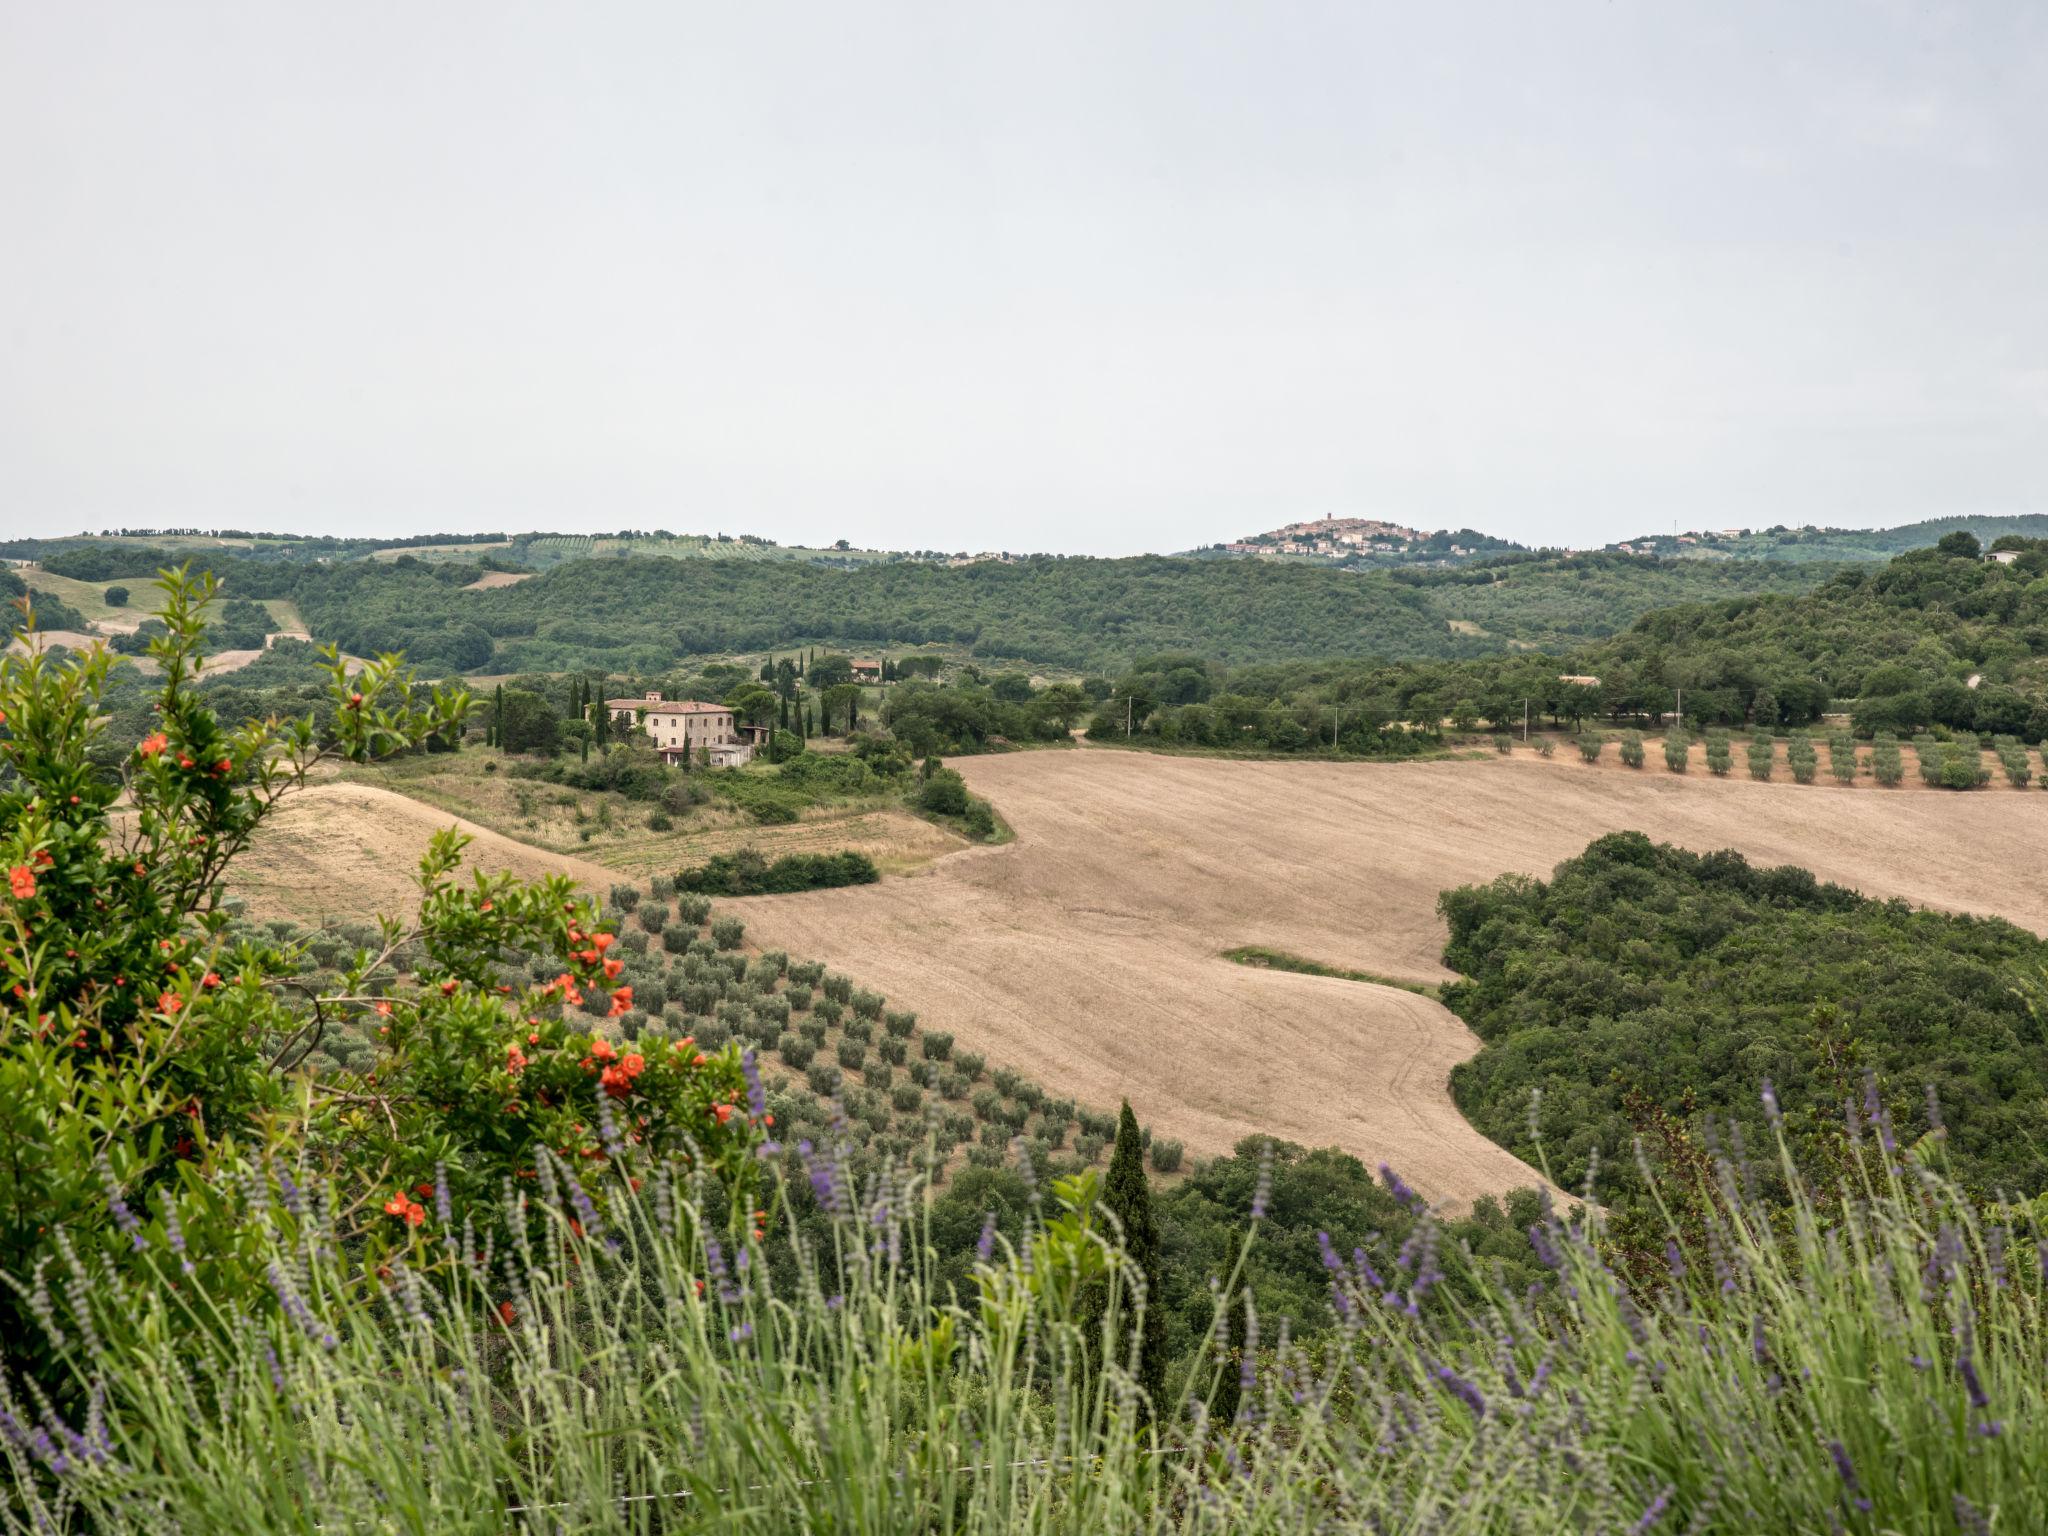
498	719
1126	1193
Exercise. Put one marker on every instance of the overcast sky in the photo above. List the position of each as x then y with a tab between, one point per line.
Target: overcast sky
1101	277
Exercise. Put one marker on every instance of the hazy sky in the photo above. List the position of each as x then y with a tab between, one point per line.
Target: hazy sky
1100	277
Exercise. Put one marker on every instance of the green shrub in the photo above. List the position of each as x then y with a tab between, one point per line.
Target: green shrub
1589	744
693	909
1720	754
675	939
653	916
892	1049
1801	758
1963	767
943	792
1677	750
1166	1155
1887	765
1503	744
749	873
899	1024
624	897
859	1028
1842	757
2019	771
837	987
970	1064
823	1080
1632	748
796	1052
1762	754
728	932
1545	747
979	820
851	1054
868	1004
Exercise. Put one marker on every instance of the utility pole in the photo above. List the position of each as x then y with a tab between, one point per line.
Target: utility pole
1681	709
1525	722
1127	717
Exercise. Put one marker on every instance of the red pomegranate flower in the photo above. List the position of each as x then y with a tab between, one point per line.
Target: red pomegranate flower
21	880
153	744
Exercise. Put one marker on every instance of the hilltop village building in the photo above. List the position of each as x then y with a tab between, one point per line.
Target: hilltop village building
686	730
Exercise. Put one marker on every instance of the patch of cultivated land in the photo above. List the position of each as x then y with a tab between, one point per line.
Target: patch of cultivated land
1087	954
350	851
609	830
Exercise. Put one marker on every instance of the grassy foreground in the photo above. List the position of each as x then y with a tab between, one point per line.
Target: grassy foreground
1875	1367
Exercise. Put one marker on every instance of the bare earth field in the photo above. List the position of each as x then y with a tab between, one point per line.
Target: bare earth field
1087	952
349	851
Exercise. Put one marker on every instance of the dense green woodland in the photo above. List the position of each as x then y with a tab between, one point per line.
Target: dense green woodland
644	614
1897	645
1696	978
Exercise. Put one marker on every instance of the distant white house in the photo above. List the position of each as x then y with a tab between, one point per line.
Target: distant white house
2005	556
685	730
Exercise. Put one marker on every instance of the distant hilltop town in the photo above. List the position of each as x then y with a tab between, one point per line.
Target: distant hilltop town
1365	541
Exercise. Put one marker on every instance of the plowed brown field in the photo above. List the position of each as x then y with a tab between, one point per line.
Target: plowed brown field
1086	953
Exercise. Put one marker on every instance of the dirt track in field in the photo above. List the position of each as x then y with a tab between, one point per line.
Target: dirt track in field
1086	953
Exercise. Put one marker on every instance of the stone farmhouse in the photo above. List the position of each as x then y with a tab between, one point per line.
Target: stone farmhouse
866	669
685	730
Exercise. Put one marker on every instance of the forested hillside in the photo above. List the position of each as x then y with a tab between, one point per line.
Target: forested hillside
1695	979
644	614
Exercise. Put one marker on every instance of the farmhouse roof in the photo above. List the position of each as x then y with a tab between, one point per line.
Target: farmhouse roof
864	661
670	706
1580	678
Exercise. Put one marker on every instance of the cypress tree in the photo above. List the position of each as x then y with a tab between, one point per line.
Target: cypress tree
498	719
1126	1194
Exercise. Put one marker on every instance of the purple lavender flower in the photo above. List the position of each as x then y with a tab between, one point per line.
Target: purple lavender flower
174	1233
1654	1512
986	1245
608	1131
825	1181
579	1197
1398	1189
1262	1191
1851	1488
444	1206
1546	1251
124	1218
1674	1260
1969	1519
714	1264
294	1307
1461	1389
1771	1110
757	1096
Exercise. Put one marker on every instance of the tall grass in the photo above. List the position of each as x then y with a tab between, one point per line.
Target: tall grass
1869	1364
